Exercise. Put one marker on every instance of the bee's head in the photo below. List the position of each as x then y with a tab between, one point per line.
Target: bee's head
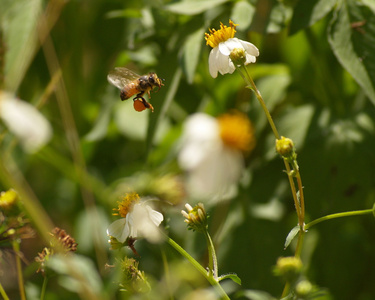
155	80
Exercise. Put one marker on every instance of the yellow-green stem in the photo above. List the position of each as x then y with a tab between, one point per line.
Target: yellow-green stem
3	293
16	248
44	287
201	270
339	215
212	256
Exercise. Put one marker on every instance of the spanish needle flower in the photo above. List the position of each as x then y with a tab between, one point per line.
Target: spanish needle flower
138	220
212	153
228	50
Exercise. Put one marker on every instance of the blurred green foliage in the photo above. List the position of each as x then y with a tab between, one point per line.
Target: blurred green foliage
316	72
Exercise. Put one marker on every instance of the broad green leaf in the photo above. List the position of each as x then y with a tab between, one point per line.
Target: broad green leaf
193	7
256	295
19	24
192	50
352	38
307	13
77	273
232	276
291	235
242	14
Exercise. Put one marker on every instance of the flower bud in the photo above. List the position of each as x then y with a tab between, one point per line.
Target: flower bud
304	288
238	56
288	267
196	217
285	147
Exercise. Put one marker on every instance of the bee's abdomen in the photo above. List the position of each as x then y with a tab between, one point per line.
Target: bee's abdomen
129	90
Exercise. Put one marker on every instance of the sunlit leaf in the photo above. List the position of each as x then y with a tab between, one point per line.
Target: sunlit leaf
352	38
193	7
307	13
19	23
242	14
291	235
192	49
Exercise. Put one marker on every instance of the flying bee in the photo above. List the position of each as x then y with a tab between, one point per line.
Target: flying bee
131	84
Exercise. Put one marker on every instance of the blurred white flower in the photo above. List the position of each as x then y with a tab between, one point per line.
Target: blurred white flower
223	43
25	121
212	153
138	220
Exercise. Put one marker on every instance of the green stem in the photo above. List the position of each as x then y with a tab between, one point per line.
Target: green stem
44	287
16	248
339	215
201	270
3	293
212	256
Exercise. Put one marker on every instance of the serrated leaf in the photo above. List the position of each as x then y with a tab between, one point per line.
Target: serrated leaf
231	276
193	7
291	235
307	13
352	38
192	49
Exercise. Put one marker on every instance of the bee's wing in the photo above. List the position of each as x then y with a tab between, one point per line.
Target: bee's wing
120	77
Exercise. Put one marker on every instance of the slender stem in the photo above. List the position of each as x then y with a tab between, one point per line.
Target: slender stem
212	256
16	248
3	293
339	215
201	270
44	287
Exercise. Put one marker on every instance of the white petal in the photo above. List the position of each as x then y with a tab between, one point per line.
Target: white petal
230	44
216	176
212	62
201	135
155	216
25	121
250	48
119	229
225	65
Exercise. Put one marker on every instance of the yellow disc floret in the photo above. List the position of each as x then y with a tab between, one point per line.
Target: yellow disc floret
215	37
126	204
236	131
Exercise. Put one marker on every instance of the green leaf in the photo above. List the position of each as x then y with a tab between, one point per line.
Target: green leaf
232	276
291	236
352	38
193	7
256	295
19	24
307	13
192	50
242	14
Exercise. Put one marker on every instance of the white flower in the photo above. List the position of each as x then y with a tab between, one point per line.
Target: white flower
223	43
25	121
139	220
212	156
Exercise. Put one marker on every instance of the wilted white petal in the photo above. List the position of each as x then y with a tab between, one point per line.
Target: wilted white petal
25	121
119	229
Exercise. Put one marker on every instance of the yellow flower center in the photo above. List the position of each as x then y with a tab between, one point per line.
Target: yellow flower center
217	36
126	204
236	131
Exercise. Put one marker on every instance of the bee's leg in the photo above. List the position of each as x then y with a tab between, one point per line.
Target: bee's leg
144	102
